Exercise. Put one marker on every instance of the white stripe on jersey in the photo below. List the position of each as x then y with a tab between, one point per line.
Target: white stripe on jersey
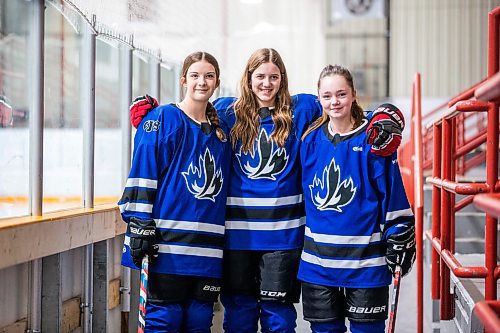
264	202
190	250
331	239
397	213
334	263
275	225
136	207
188	225
186	250
142	182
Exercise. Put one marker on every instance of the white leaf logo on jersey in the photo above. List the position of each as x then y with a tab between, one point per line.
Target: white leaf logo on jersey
265	161
204	181
328	193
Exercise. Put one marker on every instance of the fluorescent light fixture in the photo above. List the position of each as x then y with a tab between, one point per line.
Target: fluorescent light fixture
251	2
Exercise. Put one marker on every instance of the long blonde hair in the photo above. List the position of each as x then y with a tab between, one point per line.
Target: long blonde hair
246	127
210	110
356	110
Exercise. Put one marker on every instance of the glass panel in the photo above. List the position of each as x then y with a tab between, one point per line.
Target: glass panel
108	147
167	85
63	135
14	107
140	75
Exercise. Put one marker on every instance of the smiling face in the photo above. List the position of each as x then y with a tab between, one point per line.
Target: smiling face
200	81
265	82
336	97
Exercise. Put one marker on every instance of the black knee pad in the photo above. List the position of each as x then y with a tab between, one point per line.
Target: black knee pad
322	303
278	276
241	272
367	304
178	288
167	288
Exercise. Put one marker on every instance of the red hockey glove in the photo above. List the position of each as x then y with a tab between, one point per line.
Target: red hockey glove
6	118
384	130
140	108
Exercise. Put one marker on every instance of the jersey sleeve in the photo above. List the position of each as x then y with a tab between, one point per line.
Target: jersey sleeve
396	213
306	108
153	149
224	107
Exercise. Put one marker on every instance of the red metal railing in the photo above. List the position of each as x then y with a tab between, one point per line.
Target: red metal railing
443	211
454	131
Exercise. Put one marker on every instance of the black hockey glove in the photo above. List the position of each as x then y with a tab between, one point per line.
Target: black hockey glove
142	240
384	130
401	250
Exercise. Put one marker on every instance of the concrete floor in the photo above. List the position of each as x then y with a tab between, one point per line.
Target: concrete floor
406	320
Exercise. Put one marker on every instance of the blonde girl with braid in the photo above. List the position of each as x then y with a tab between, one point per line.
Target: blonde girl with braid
174	203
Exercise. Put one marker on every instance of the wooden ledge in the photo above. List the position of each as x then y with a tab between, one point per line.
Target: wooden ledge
53	216
26	238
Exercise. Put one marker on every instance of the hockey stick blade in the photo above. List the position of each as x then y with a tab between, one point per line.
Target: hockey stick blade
143	295
395	299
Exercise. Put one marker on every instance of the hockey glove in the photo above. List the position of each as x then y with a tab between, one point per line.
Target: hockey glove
142	240
401	250
6	119
140	108
384	130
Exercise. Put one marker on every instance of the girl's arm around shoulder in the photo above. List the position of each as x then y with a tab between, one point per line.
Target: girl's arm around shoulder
306	106
225	109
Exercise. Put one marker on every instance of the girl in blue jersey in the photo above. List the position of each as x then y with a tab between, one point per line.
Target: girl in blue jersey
174	203
265	212
359	224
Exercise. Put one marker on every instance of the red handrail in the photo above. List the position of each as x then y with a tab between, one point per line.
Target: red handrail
488	312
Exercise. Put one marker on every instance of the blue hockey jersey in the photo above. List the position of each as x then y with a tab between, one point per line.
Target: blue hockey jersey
353	200
179	178
265	208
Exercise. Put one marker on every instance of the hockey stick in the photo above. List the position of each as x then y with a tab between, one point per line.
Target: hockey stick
395	299
143	295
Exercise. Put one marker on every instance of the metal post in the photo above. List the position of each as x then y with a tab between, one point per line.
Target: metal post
493	43
125	98
101	287
87	86
445	309
436	210
491	238
36	156
388	48
419	200
34	296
